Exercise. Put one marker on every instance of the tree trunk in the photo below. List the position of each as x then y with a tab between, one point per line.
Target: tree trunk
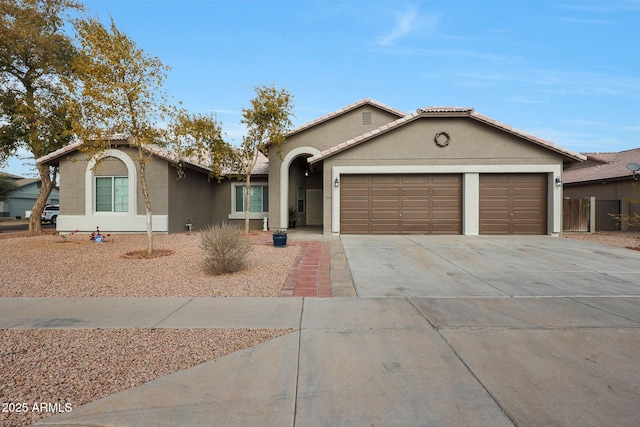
247	210
45	190
147	204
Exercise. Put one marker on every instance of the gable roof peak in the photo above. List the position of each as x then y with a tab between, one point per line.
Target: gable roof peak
346	109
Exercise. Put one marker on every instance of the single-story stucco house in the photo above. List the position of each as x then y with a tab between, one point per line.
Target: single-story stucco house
366	168
21	200
606	177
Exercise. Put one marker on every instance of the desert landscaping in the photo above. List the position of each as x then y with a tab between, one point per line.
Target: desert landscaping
78	366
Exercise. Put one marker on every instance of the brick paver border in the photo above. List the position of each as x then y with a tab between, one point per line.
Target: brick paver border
310	274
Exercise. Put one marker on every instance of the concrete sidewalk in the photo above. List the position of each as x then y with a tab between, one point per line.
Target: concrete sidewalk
401	361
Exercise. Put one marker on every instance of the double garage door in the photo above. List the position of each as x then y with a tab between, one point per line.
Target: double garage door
432	204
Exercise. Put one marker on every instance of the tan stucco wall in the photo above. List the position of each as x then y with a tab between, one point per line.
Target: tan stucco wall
190	197
72	171
338	129
157	174
471	142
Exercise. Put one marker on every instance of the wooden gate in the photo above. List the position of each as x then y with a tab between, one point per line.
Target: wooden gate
575	215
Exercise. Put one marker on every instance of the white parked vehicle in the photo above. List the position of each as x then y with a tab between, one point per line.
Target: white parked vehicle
50	214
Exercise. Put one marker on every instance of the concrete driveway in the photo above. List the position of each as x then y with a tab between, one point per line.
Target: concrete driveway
489	266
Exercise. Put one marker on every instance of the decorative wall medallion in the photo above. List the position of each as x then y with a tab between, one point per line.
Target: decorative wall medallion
442	139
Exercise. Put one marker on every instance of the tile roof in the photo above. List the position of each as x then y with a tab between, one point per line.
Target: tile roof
11	176
346	109
444	112
602	166
261	168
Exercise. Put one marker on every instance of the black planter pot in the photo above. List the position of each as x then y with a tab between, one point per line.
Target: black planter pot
279	241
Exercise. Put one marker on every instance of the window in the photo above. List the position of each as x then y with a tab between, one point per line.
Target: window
259	198
301	198
112	194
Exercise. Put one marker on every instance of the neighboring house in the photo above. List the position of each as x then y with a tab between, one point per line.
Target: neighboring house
605	177
366	168
22	199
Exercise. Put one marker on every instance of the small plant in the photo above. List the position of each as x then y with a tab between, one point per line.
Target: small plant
96	236
280	232
225	248
65	236
293	217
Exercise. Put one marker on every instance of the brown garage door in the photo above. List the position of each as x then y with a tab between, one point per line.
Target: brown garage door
513	203
401	204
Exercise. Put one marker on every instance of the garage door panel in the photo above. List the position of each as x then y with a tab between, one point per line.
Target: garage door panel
383	179
386	215
420	205
411	203
513	203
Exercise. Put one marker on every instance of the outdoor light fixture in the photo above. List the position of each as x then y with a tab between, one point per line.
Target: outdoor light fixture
558	182
336	183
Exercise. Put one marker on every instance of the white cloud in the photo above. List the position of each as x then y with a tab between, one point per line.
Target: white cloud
407	22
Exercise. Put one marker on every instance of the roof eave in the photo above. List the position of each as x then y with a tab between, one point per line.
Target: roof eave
567	154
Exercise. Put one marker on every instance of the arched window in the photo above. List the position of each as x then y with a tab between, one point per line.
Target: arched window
110	183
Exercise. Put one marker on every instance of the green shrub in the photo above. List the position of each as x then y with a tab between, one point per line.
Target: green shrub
225	248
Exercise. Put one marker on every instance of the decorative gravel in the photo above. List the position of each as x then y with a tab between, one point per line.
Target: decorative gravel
621	239
57	370
50	266
44	371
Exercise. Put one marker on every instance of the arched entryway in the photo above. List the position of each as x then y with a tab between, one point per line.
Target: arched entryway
300	189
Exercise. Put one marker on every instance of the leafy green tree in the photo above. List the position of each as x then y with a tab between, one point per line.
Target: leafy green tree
121	91
199	138
6	187
35	105
267	121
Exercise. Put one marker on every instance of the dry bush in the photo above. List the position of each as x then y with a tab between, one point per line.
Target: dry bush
225	248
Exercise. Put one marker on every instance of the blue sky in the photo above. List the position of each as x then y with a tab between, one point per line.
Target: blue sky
567	71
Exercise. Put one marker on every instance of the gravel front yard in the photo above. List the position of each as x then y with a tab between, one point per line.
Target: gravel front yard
620	239
48	266
74	367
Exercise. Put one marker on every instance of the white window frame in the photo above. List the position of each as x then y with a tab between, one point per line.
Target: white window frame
90	189
252	215
301	196
113	193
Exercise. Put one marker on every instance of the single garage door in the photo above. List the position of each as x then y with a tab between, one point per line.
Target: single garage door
401	204
513	203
